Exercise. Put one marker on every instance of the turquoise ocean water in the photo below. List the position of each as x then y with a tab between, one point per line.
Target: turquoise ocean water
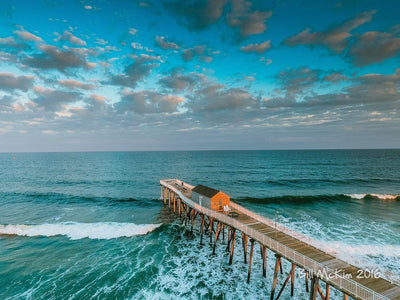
91	225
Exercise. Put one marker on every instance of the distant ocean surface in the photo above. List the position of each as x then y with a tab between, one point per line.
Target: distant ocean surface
91	225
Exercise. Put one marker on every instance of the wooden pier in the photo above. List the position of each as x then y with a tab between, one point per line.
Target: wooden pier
319	266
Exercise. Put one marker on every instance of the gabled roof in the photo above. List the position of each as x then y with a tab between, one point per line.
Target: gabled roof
205	191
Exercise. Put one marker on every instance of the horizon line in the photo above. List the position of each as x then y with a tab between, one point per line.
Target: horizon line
200	150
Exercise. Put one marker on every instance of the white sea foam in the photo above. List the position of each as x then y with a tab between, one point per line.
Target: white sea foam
369	257
380	196
362	250
76	230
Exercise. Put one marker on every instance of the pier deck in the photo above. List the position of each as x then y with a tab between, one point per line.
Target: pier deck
351	280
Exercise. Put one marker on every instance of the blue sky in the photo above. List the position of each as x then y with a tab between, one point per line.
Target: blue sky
194	75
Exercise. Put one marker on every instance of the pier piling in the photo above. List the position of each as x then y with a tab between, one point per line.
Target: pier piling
244	243
232	245
251	258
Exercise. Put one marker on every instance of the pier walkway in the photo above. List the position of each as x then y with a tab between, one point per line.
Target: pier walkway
286	244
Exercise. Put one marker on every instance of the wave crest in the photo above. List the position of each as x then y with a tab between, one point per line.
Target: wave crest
379	196
294	199
76	230
303	199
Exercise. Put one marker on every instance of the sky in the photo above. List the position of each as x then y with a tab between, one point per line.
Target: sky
198	75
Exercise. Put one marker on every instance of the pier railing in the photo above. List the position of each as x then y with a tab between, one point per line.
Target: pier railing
275	225
334	278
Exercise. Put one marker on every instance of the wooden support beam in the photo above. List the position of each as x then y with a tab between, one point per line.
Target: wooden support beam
244	243
306	278
183	213
314	288
163	195
284	284
211	229
264	258
261	251
292	280
320	293
233	245
207	225
179	206
280	267
187	209
345	297
228	247
327	292
174	200
194	214
202	228
277	264
169	198
251	258
223	232
219	225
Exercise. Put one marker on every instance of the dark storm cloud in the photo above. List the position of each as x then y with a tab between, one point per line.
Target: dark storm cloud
374	47
10	82
61	59
148	102
53	100
197	15
335	38
136	72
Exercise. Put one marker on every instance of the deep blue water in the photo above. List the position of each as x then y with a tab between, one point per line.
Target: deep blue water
90	225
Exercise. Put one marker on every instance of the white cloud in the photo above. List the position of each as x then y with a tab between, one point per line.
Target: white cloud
167	45
132	31
137	46
68	36
259	48
27	36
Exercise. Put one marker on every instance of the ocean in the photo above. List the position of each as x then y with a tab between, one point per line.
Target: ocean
90	225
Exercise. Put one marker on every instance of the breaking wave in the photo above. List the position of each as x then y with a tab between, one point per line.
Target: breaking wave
378	196
76	231
317	198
